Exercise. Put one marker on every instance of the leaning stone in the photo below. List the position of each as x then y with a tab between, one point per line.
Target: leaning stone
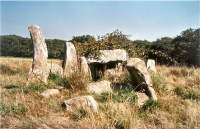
151	65
55	69
50	92
39	68
70	64
85	102
99	87
85	69
140	76
142	98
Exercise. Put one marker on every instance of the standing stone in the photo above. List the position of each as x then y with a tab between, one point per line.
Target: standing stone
151	65
140	76
85	69
39	70
70	64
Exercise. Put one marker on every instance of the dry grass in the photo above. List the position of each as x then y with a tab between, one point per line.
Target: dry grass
22	107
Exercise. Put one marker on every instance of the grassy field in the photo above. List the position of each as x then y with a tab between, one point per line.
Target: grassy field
22	107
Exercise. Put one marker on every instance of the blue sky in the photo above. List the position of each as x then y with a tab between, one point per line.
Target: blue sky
140	20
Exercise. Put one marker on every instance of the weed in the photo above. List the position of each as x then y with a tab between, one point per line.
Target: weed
159	83
11	86
79	114
120	96
4	69
12	109
124	95
187	94
35	87
150	105
59	81
123	123
104	97
77	82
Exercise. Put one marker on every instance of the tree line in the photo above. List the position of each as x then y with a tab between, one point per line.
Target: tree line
184	49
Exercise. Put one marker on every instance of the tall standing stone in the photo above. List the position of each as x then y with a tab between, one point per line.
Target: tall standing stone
151	65
85	69
70	64
39	70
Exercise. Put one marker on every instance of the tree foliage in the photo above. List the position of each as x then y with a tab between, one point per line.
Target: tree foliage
184	49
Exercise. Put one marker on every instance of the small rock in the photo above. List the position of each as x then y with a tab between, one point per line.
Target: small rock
50	92
85	102
99	87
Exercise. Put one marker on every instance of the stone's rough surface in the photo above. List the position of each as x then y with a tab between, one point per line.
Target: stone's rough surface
151	65
70	64
110	56
39	68
99	87
85	69
50	92
55	69
142	98
140	76
85	102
